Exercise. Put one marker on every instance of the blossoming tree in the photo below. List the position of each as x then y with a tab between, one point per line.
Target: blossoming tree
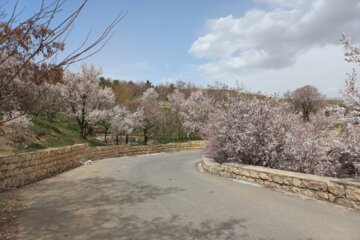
150	113
83	96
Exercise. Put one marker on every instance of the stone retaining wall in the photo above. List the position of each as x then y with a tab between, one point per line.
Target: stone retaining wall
20	169
122	150
345	192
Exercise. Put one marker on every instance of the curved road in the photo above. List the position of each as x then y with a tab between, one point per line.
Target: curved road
164	196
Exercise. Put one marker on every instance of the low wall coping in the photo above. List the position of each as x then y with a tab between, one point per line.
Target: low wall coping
303	176
345	192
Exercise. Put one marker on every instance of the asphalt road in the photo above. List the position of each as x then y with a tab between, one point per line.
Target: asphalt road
164	196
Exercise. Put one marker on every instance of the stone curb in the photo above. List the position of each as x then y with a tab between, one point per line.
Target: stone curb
344	192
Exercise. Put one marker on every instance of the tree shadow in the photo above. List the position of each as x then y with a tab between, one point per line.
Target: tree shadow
107	208
94	192
57	208
133	227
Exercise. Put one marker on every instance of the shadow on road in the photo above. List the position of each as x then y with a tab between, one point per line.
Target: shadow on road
133	227
93	208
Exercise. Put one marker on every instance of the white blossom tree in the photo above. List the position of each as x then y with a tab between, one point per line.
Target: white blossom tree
83	95
175	118
197	111
20	127
150	113
176	100
122	123
101	117
50	101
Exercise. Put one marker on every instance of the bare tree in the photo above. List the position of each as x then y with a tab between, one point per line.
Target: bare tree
29	50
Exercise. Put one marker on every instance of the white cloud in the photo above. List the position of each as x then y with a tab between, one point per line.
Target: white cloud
322	67
275	39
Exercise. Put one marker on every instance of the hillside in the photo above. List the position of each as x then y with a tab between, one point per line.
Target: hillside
47	134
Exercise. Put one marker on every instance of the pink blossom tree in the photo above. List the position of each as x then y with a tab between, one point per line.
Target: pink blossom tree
351	93
251	131
350	140
348	148
313	148
262	131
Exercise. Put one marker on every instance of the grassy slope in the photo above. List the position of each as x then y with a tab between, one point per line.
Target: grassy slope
60	133
56	134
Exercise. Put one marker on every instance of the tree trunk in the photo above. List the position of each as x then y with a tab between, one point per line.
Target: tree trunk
83	127
145	137
82	131
179	132
126	139
117	139
105	137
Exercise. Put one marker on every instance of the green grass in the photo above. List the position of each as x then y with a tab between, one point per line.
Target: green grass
30	148
56	134
66	132
174	140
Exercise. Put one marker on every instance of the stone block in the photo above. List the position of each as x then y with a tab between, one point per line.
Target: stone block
308	193
278	179
296	182
353	193
345	202
288	181
243	172
336	189
322	195
11	166
263	176
332	198
254	174
314	185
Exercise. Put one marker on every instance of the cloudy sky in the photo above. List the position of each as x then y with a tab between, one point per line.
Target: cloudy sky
266	45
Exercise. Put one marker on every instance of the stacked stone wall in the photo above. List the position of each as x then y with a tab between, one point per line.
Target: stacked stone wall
345	192
21	169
